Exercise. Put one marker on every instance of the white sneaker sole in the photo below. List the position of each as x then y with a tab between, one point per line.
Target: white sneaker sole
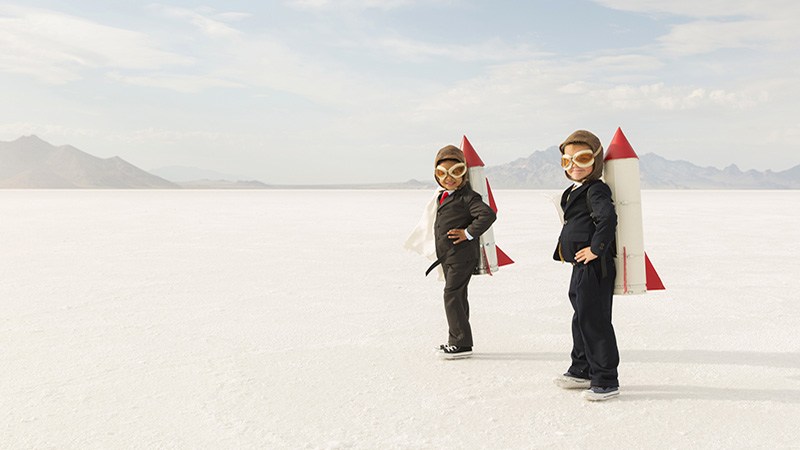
593	397
451	356
565	382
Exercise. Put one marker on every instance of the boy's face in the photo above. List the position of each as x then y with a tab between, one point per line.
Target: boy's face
449	182
576	172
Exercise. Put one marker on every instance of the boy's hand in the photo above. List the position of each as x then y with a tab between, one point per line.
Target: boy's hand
457	234
585	255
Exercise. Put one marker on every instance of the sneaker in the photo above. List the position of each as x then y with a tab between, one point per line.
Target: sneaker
570	381
596	393
454	352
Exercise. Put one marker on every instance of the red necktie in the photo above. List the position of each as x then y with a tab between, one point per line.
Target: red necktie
444	196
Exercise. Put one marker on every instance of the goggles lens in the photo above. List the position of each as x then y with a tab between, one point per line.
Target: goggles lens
583	158
456	171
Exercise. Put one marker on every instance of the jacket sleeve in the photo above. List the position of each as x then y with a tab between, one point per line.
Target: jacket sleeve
605	217
482	216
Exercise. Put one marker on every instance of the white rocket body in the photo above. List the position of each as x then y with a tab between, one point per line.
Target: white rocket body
491	256
635	272
487	264
622	176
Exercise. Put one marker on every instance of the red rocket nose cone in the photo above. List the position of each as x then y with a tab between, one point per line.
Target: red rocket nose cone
473	160
619	148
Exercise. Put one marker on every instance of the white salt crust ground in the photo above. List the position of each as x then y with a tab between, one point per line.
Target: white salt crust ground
294	319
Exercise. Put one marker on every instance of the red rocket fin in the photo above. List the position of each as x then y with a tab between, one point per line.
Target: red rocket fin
619	148
653	280
473	160
502	258
492	204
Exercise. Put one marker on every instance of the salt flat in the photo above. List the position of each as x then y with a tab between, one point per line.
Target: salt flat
294	319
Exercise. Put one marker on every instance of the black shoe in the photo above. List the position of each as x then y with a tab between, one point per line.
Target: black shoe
454	352
597	393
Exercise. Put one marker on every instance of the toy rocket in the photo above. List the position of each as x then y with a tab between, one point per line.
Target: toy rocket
421	239
491	255
635	273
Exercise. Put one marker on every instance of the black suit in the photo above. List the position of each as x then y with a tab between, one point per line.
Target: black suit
463	209
594	350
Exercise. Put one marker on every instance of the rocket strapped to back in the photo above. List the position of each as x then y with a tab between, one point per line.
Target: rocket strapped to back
491	255
421	239
635	273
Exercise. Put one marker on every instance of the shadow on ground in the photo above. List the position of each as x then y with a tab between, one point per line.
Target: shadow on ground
697	357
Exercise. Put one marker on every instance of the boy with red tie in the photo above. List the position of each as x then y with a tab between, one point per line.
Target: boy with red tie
461	218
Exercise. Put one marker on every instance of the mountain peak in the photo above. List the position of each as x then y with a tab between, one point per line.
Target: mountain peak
31	162
31	138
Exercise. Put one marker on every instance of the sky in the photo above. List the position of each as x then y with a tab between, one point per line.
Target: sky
366	91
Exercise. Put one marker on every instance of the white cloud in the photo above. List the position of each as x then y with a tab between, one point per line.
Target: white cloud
206	19
16	129
160	135
179	83
707	8
707	36
558	90
56	48
721	24
659	96
260	62
490	50
61	133
625	63
326	5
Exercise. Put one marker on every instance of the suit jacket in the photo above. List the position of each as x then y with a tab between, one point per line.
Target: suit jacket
465	209
580	230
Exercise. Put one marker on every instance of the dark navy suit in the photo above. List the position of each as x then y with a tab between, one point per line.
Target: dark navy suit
463	209
594	345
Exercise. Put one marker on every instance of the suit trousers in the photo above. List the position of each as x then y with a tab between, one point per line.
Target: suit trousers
594	345
456	306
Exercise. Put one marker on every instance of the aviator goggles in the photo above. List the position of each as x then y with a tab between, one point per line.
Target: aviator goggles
456	171
583	158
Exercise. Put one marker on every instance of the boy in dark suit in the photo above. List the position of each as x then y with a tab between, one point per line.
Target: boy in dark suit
587	242
461	218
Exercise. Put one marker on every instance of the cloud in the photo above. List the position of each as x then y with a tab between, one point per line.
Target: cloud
206	19
133	136
17	129
56	48
556	90
624	63
491	50
721	24
179	83
707	36
327	5
708	8
659	96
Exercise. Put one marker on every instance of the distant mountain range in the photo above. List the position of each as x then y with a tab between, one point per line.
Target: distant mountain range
541	170
30	162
